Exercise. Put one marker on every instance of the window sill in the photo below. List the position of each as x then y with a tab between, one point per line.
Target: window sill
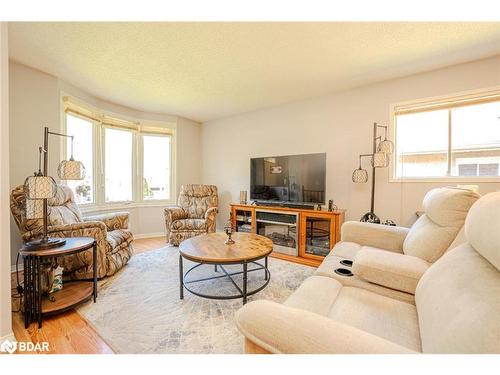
462	180
122	206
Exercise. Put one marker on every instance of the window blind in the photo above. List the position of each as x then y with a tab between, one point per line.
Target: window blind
452	102
72	106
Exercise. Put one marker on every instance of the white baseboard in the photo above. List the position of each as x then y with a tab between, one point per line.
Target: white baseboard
148	235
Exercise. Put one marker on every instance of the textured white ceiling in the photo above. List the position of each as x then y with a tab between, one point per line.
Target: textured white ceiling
205	71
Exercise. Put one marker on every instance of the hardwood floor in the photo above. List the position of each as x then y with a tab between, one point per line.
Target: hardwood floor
69	333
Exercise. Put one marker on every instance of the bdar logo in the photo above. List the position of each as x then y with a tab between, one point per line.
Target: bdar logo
8	346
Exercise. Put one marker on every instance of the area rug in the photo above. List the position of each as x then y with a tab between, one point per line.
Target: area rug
139	311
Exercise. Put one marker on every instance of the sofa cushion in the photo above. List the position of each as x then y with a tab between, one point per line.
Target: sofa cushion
445	213
392	270
382	316
385	317
458	303
190	224
316	294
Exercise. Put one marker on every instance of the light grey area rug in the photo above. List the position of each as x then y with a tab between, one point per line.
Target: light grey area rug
139	310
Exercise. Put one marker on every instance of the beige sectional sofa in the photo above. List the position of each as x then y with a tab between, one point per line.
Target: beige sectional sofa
455	308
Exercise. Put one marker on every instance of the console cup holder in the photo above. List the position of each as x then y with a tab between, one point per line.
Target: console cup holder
346	262
343	272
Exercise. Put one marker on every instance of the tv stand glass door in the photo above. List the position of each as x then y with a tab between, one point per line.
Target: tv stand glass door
317	235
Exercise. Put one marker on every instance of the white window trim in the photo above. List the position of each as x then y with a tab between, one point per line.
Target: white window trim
470	94
99	204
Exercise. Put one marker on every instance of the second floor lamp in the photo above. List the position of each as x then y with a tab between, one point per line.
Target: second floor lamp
382	150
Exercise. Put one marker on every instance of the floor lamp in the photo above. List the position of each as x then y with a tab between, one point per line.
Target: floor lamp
382	149
40	187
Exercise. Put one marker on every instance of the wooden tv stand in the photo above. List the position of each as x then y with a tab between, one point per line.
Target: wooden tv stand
300	235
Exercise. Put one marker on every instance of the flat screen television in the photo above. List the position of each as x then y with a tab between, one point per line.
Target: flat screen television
292	178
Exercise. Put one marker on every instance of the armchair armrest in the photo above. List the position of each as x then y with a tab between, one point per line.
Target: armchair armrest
395	271
173	213
274	328
112	221
210	217
375	235
211	212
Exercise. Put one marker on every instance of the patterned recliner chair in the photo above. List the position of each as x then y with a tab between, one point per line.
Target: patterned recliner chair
194	214
114	240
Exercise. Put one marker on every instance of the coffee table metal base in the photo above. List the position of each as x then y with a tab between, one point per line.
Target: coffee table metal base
243	292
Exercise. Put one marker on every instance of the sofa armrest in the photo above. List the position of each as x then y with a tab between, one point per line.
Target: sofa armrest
395	271
68	230
274	327
112	221
375	235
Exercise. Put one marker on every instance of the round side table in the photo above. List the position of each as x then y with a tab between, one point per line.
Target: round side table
36	305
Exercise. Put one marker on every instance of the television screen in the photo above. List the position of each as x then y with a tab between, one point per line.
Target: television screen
293	178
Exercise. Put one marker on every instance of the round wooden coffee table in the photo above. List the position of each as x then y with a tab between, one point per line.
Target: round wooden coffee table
210	249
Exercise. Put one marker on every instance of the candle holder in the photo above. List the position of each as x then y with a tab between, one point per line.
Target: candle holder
228	229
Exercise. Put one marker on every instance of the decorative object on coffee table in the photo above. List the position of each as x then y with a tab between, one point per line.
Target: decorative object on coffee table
382	149
36	305
210	249
228	229
41	187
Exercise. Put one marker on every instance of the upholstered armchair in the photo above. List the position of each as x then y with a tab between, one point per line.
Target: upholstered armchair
194	214
114	240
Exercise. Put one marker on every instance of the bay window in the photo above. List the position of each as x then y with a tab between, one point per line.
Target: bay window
126	161
455	137
83	150
118	152
156	167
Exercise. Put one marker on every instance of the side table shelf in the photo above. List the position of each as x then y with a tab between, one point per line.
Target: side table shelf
36	305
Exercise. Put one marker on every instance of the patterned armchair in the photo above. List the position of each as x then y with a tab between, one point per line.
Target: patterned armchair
194	214
114	240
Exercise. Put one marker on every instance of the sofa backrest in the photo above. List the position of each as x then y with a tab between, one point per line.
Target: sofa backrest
445	212
197	199
62	209
458	297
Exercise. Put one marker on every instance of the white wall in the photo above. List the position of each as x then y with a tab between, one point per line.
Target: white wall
340	125
35	102
5	261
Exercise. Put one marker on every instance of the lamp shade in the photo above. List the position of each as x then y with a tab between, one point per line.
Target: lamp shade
34	208
386	146
40	187
360	176
71	170
380	160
